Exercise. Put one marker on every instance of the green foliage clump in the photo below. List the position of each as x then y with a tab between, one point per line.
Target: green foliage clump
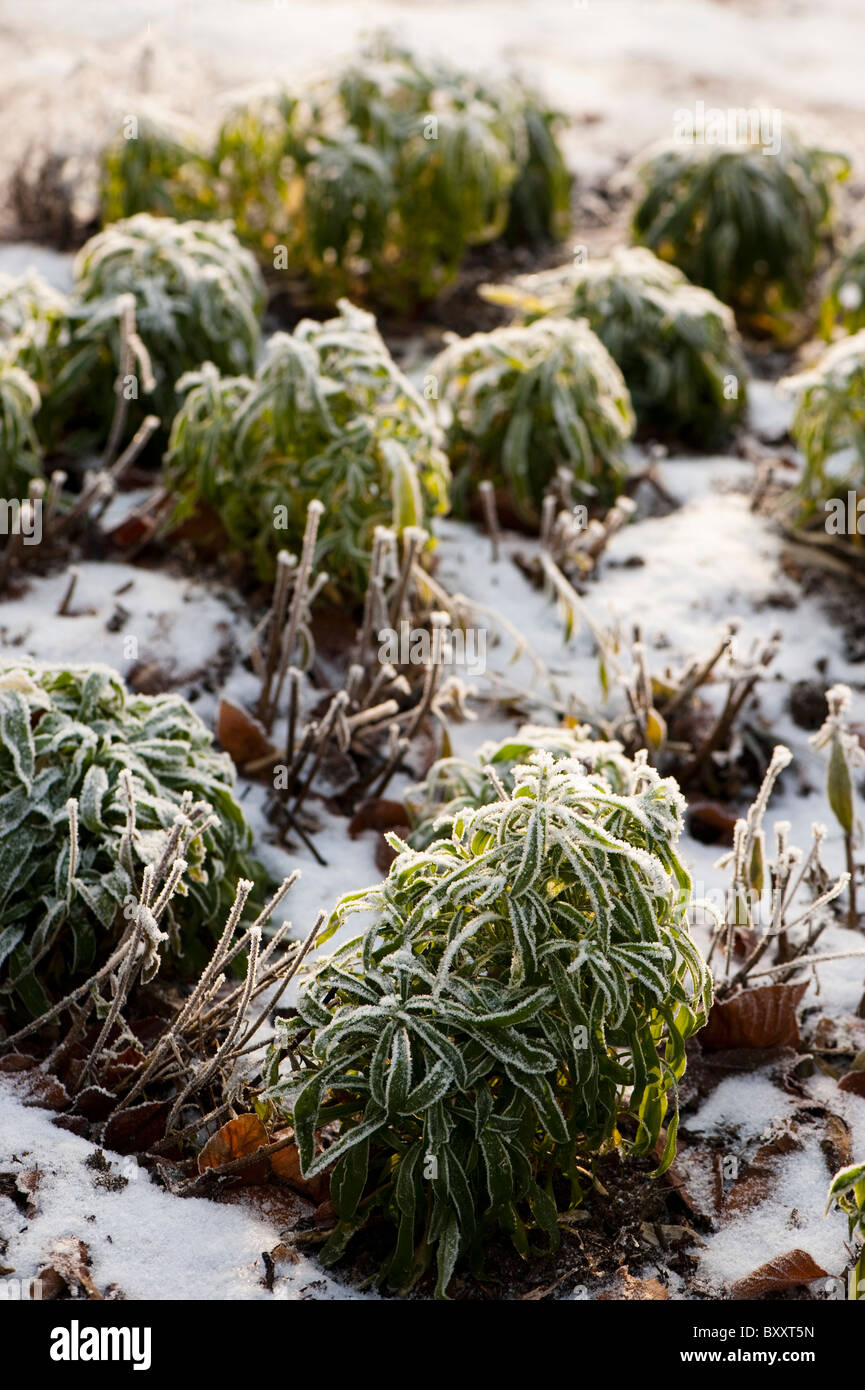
151	168
198	298
20	454
327	415
373	182
744	223
453	785
675	343
847	1191
69	733
844	305
523	401
829	424
521	998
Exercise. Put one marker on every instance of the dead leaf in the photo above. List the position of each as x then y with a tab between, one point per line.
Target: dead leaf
325	1215
135	1130
379	814
149	678
68	1262
237	1139
134	529
633	1290
762	1017
241	735
27	1184
279	1206
784	1272
854	1083
34	1086
711	823
285	1165
836	1144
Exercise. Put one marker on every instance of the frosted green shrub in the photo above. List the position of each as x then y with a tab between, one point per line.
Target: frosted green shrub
198	298
676	344
746	225
520	1000
67	735
328	415
829	425
521	402
453	785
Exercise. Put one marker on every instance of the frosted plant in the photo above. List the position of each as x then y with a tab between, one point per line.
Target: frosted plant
373	181
844	305
845	756
771	897
19	447
328	416
34	323
160	170
198	298
523	986
829	422
847	1191
522	402
68	849
675	343
747	227
453	785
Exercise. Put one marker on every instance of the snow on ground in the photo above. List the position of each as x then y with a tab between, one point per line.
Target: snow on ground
125	616
707	561
147	1243
70	73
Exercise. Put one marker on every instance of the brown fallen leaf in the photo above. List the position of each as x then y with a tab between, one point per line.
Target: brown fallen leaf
711	822
325	1215
633	1290
762	1017
285	1165
27	1184
134	529
32	1085
280	1206
240	734
854	1083
784	1272
135	1130
760	1175
239	1138
836	1144
68	1270
379	814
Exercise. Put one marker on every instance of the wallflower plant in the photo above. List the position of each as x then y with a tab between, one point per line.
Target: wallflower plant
327	415
20	453
675	343
521	402
829	427
374	180
746	225
847	1191
844	305
519	1002
198	297
454	785
68	851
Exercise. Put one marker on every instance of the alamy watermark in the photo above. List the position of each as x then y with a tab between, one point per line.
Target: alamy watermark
436	646
21	517
845	516
737	125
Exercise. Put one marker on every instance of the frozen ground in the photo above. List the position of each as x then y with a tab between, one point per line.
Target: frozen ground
620	68
710	560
